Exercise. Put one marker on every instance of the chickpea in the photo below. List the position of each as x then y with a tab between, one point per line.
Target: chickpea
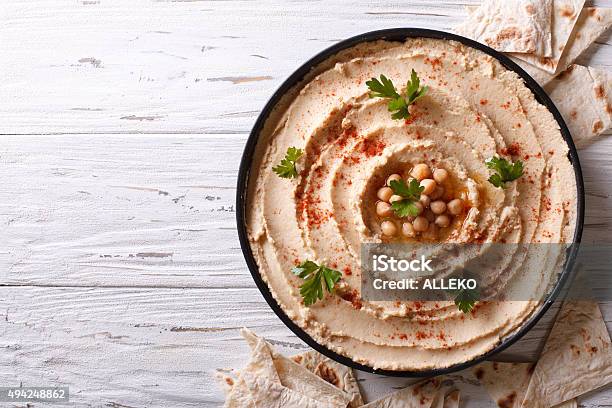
430	185
420	224
419	207
438	207
430	215
455	207
384	209
432	232
425	200
443	221
408	230
421	171
388	228
437	193
440	175
393	177
384	193
395	198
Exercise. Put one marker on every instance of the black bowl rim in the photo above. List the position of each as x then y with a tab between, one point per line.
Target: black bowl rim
401	34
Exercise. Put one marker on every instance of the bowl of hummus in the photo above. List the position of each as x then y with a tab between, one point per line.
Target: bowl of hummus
407	136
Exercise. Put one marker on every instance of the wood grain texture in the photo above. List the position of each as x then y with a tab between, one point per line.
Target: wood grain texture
160	347
178	66
122	128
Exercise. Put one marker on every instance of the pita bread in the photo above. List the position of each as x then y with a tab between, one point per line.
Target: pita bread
590	25
268	394
506	383
447	396
236	392
583	96
261	363
419	395
452	400
511	26
279	370
334	373
577	357
564	16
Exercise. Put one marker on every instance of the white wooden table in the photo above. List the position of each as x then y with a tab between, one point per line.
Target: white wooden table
121	128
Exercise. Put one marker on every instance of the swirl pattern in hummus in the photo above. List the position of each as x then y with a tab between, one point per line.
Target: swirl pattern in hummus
475	108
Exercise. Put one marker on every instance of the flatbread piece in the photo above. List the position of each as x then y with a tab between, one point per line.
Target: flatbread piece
583	96
576	359
511	26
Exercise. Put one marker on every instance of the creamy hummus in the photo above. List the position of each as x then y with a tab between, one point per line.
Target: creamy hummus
474	109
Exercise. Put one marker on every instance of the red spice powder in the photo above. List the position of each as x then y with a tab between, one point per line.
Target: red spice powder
372	148
420	335
413	116
309	205
353	298
436	63
513	150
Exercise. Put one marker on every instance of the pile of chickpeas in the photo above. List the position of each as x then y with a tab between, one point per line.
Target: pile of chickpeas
433	211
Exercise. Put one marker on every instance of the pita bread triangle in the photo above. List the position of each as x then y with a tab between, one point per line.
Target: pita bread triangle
590	25
564	17
576	359
511	26
583	95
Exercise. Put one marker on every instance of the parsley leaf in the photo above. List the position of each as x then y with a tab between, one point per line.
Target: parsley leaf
413	88
466	299
315	278
405	208
506	171
286	168
382	89
410	193
398	104
399	107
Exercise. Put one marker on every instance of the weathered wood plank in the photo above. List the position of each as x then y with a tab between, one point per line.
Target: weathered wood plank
149	346
165	66
114	211
156	210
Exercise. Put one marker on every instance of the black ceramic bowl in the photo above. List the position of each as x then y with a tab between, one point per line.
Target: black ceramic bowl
401	34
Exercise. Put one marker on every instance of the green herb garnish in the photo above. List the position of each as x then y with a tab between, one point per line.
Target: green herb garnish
398	104
315	278
411	193
505	171
286	168
466	299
